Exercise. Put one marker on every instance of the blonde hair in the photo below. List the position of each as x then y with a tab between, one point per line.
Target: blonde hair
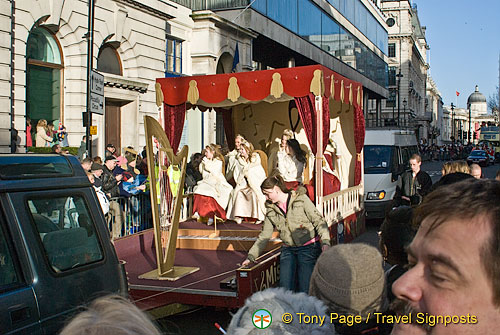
287	133
215	148
42	123
249	148
446	168
111	315
460	166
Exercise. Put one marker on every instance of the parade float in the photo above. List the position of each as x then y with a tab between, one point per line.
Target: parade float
184	261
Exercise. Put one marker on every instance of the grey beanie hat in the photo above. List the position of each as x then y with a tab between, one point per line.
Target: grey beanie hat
349	279
278	301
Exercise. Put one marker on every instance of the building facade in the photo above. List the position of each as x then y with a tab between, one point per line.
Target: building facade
407	61
45	47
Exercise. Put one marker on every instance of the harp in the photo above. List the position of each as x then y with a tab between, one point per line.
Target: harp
166	172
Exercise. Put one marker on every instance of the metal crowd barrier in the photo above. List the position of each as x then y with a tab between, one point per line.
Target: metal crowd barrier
129	215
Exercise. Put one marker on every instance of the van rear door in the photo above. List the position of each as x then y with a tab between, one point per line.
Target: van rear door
18	306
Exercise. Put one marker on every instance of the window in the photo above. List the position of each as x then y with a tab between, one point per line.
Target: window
392	50
174	57
392	76
43	77
108	60
66	230
9	274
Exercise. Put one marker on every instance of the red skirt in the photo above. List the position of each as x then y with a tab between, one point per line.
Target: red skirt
208	207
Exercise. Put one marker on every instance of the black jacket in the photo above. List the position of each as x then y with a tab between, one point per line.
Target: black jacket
109	183
415	190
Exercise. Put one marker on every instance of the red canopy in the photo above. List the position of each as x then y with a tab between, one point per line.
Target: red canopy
222	90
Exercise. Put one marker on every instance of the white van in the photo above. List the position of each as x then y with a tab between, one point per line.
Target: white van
386	156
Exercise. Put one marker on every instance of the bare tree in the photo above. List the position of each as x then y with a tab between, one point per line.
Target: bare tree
493	101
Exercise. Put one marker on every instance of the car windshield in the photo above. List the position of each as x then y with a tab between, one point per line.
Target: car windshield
478	153
378	158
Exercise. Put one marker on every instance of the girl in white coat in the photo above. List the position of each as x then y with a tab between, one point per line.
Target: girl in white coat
42	139
211	194
291	164
247	200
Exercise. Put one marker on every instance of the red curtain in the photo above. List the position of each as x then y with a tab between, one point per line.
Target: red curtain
359	140
227	120
307	114
174	123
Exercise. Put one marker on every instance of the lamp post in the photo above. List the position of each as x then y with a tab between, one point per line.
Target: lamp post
399	76
469	130
404	110
452	122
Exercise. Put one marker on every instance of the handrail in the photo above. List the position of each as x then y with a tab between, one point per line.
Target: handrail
339	205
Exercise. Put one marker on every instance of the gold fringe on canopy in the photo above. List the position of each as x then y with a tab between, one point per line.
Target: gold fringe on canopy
276	86
358	98
193	94
317	84
361	100
233	91
159	94
350	94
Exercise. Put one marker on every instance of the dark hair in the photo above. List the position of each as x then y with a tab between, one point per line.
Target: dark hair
297	150
54	148
396	233
196	159
468	201
274	180
498	174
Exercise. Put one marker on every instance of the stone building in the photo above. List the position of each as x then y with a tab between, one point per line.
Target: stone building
407	61
44	57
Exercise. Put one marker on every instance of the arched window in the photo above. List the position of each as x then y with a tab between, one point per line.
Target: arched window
108	60
43	77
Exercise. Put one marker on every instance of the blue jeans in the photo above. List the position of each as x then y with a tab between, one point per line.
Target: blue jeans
296	266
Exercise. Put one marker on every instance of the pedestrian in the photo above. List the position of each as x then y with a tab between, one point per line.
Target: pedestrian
454	261
62	136
110	151
86	164
42	139
279	303
82	150
475	171
111	189
412	185
350	280
111	315
302	229
29	140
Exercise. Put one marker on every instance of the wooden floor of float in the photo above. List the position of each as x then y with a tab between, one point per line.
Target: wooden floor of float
216	253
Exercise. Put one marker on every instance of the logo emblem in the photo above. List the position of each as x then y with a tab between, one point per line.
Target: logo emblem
262	319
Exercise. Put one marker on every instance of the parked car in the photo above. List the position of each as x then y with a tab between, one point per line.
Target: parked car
55	249
479	157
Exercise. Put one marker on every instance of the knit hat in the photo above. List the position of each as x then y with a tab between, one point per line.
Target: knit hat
278	301
95	167
349	279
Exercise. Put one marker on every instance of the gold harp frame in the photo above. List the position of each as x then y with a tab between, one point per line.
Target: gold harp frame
165	256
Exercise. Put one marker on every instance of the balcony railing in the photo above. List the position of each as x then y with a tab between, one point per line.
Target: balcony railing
339	205
212	4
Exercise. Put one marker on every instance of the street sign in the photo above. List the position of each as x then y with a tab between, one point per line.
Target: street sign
96	93
96	82
93	130
96	103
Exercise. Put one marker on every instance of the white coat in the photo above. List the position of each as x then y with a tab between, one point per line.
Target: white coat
289	167
248	174
42	140
213	183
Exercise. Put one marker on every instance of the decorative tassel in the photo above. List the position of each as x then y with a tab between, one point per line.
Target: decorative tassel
350	94
233	91
193	94
159	95
317	84
276	86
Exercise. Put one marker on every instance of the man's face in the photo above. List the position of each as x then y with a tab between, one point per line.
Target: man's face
97	173
415	165
476	173
446	277
110	164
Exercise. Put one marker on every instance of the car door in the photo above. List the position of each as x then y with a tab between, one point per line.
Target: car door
68	234
18	306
